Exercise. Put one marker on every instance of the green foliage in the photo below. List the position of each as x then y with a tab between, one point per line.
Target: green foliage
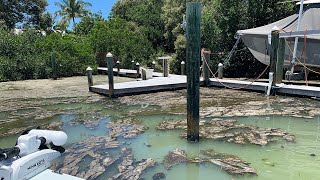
146	15
74	53
122	39
27	56
27	12
87	23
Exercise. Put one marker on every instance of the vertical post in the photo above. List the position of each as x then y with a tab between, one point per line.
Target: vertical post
118	67
110	74
273	53
206	72
138	69
193	69
133	65
90	79
280	61
165	67
154	65
296	41
220	71
54	66
183	68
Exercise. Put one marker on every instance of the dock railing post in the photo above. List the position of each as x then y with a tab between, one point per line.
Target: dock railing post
183	68
90	78
273	53
165	68
118	67
220	71
138	70
133	65
193	58
54	66
110	74
206	61
280	60
154	65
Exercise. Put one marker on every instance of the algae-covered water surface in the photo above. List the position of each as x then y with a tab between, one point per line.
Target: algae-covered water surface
132	137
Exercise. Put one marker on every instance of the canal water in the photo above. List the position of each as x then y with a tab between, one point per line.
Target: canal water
277	160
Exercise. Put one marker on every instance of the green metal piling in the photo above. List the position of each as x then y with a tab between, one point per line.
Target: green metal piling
54	66
90	78
110	74
273	53
280	60
193	69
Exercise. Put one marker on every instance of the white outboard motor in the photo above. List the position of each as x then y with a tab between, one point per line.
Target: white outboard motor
31	156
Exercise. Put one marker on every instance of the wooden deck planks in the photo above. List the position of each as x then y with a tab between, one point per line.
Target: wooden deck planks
156	84
159	83
299	90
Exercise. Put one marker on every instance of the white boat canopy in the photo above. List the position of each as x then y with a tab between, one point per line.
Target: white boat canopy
310	21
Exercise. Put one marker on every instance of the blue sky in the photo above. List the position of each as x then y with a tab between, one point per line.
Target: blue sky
97	5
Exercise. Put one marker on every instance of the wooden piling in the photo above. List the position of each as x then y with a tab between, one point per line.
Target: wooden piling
165	67
110	74
154	65
133	65
138	70
90	78
273	53
206	72
220	71
183	68
280	60
193	69
118	67
54	66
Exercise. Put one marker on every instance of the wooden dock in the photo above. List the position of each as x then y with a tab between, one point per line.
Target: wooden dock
151	85
294	90
173	82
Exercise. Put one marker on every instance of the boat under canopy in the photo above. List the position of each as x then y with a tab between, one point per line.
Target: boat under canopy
256	39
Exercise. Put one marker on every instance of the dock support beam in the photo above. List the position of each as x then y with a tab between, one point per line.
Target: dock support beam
280	60
273	54
220	71
118	67
110	75
206	63
183	68
90	78
193	69
54	66
154	65
165	68
138	70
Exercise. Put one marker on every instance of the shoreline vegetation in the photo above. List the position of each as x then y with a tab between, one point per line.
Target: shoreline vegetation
139	31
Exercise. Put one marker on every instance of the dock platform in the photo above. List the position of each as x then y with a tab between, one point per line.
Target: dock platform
285	89
144	86
173	82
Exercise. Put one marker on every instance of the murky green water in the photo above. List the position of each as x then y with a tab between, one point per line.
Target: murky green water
278	160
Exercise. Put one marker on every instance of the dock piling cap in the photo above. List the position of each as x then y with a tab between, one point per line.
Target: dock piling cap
137	64
118	62
220	65
89	69
183	62
109	55
153	62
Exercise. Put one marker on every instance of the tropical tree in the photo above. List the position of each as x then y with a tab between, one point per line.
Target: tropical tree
24	12
70	10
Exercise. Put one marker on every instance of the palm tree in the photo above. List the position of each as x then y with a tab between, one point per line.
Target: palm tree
70	10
